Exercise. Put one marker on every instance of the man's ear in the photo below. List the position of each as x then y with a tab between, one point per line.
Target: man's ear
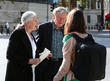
28	22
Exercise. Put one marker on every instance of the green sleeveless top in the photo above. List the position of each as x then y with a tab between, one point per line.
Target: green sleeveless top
65	77
66	37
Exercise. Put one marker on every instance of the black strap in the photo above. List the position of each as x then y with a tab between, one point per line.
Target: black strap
79	39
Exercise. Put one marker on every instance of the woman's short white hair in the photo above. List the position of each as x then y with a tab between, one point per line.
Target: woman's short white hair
27	16
61	10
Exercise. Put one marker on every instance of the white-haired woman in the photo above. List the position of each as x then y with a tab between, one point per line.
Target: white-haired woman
21	51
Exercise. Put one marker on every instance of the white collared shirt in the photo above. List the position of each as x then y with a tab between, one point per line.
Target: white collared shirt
33	45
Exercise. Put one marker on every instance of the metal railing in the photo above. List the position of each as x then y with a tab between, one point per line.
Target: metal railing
94	27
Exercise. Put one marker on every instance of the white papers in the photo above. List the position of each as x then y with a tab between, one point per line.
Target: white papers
44	54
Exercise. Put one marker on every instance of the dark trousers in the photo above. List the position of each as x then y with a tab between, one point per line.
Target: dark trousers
53	69
41	71
94	80
7	31
1	30
47	70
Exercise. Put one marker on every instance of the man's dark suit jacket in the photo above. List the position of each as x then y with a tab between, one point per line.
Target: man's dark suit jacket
45	36
44	40
18	54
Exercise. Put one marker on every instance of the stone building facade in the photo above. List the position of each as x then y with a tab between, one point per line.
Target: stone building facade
11	12
92	11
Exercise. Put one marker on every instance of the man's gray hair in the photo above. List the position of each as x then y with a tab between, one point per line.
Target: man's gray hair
27	16
61	10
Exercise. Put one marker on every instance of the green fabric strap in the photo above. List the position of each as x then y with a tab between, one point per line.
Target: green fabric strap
65	77
66	37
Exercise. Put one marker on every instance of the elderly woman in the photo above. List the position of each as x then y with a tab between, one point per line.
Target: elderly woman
21	51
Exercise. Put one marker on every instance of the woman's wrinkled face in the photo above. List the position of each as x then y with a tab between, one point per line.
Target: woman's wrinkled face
32	24
59	19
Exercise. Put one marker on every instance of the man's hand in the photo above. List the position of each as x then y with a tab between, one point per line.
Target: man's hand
50	55
34	61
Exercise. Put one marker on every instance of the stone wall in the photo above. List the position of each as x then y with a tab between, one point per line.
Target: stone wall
11	13
41	10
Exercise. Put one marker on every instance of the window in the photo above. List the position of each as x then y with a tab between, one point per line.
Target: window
88	18
98	18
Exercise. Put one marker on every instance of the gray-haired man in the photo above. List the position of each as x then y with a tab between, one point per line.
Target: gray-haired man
50	37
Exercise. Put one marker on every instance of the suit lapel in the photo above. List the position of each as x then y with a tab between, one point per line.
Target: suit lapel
50	32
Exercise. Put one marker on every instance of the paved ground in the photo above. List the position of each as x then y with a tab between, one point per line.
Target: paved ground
100	37
3	61
106	42
100	34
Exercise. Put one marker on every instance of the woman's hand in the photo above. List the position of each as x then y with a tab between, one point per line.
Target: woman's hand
34	61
